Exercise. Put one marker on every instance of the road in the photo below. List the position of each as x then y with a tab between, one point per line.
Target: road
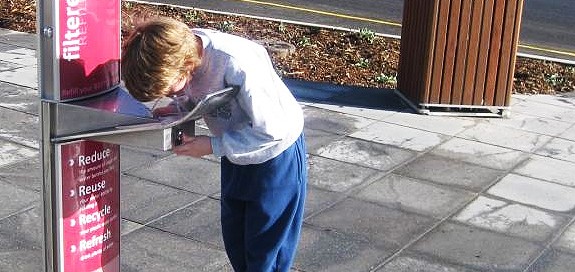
547	27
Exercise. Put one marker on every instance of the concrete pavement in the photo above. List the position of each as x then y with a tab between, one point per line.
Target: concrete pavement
389	190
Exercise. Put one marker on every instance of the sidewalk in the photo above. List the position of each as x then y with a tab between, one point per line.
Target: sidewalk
389	190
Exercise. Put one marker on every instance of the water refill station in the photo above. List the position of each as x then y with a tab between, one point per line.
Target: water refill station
85	116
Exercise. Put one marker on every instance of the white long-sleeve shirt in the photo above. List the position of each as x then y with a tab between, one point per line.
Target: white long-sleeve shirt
264	119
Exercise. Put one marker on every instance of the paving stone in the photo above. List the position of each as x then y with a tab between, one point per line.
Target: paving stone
569	134
481	154
376	114
336	176
412	263
535	192
554	261
11	153
18	55
559	149
328	251
559	113
192	174
21	241
415	196
549	169
478	249
199	221
509	218
21	128
560	100
505	137
372	222
337	123
143	201
567	239
152	250
127	226
26	173
20	39
26	76
131	157
400	136
19	98
364	153
7	66
437	124
318	199
450	172
19	199
316	139
530	123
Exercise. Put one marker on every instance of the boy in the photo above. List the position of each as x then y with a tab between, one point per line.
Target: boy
259	134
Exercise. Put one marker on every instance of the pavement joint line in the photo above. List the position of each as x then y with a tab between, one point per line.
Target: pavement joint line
23	210
20	111
147	224
549	245
167	185
3	138
347	193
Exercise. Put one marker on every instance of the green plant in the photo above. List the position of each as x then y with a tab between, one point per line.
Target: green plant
363	63
191	16
125	4
366	35
304	41
554	79
282	28
386	79
225	26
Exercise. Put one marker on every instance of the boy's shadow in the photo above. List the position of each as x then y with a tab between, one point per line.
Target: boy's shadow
349	96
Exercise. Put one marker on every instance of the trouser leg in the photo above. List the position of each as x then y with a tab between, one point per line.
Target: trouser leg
262	210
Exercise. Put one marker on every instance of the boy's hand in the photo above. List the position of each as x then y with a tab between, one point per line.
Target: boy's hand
196	146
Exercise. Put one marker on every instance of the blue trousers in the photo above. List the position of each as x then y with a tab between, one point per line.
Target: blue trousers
262	210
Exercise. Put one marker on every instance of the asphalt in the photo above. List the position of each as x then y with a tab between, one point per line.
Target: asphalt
389	189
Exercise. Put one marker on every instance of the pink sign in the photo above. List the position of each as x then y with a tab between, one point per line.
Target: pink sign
89	47
89	206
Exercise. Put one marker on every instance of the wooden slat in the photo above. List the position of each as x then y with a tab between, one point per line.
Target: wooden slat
483	53
475	34
515	42
417	39
494	52
407	52
432	9
503	85
450	52
439	52
462	53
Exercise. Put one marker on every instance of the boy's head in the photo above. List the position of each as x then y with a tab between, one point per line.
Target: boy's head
157	55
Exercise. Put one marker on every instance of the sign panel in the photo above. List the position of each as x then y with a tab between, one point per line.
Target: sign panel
88	206
88	47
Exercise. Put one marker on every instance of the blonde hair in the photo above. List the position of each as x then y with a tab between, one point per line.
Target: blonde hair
157	54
